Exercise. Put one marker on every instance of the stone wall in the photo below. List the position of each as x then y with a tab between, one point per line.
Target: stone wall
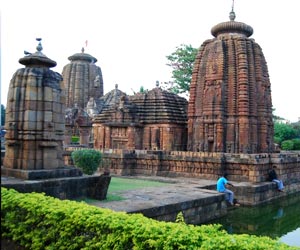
94	187
194	211
240	167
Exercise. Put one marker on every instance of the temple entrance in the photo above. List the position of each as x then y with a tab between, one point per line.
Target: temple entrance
210	146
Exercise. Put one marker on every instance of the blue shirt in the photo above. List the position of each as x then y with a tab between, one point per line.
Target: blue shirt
221	184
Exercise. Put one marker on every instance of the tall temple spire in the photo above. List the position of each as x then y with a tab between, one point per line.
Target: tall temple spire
230	106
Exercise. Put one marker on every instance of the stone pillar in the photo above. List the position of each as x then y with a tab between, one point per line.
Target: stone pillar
131	138
84	136
68	135
107	137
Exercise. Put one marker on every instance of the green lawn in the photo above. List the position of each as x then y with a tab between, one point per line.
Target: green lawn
118	184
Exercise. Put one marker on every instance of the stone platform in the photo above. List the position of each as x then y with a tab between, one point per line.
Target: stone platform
94	187
164	203
196	198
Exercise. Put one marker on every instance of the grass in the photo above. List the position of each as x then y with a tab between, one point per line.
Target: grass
120	184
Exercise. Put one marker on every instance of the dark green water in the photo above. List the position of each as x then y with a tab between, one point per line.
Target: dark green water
278	219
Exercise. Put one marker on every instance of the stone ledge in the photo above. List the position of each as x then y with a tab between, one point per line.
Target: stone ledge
41	174
94	187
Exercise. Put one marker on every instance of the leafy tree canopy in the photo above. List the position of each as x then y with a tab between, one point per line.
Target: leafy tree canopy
283	132
182	62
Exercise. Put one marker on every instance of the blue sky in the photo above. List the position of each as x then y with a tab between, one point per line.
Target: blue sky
132	38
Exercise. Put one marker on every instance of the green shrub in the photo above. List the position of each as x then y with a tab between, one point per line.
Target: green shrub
75	139
36	221
88	160
287	145
296	144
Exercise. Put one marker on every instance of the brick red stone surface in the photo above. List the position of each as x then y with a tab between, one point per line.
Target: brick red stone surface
230	107
153	120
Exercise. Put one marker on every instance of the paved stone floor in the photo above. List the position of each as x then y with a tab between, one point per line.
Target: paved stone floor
176	191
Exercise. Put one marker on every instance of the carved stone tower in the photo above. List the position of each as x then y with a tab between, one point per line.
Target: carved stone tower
230	107
82	80
34	117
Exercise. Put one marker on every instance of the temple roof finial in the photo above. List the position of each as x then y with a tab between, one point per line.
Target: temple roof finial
82	50
37	59
232	13
39	47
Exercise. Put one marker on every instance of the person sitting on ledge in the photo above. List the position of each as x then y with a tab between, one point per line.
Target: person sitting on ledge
221	187
273	177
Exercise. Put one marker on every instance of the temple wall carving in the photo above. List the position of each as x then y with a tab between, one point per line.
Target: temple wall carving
148	137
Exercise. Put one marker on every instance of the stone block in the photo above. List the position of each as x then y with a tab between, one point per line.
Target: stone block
31	93
48	116
58	117
57	108
48	106
48	94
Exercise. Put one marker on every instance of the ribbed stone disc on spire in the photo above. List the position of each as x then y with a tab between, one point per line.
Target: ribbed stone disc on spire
37	59
82	57
232	27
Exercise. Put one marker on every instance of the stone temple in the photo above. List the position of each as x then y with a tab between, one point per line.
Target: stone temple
35	116
82	80
228	122
154	120
230	107
35	124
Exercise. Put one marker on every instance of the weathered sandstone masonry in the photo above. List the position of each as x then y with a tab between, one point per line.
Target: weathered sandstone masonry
230	106
240	167
248	171
35	124
34	117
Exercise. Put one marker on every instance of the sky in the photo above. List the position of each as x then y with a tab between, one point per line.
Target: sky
131	38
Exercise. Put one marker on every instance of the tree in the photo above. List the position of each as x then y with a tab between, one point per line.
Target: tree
287	145
284	132
182	62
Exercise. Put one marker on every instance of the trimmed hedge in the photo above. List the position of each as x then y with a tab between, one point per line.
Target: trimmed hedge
37	221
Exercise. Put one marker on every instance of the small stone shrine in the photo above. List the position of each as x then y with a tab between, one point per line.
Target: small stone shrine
152	120
230	107
34	117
